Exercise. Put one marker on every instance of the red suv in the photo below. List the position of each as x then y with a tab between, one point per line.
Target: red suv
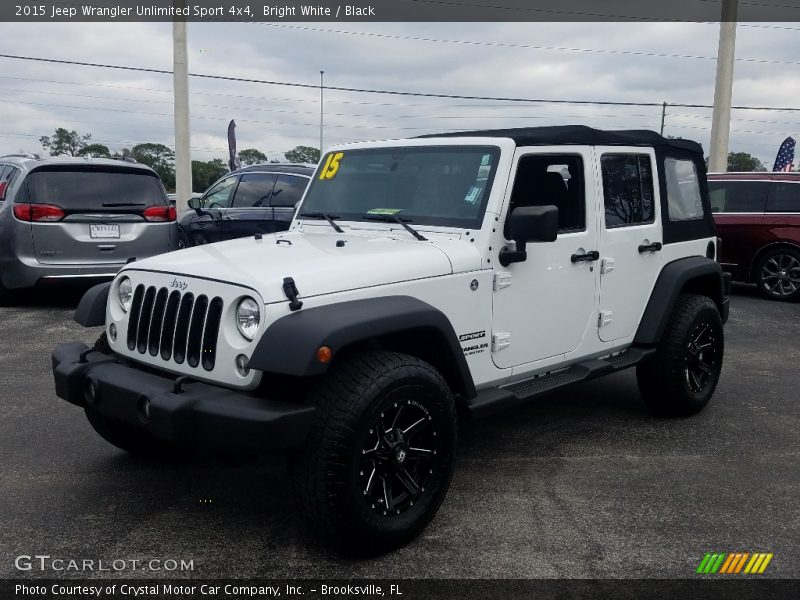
758	221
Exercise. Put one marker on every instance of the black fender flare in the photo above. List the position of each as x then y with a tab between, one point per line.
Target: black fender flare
673	279
91	311
289	345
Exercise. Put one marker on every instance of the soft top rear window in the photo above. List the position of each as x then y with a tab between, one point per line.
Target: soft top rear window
106	189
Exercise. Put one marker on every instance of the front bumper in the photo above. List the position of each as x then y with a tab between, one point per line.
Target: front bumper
198	415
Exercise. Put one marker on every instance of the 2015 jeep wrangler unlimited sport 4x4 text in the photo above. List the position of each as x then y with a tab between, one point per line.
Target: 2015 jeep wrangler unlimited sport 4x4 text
420	279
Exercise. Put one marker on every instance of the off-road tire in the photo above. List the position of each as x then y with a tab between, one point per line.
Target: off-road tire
331	475
777	275
671	382
5	295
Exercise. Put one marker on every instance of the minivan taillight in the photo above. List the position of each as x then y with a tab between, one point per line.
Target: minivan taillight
40	213
160	213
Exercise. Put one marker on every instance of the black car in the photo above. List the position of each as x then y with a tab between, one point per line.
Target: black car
256	199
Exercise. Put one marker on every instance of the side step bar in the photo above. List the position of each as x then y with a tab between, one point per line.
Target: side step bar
494	400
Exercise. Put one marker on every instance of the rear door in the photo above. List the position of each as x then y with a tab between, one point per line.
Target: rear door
97	214
250	211
289	189
630	238
738	208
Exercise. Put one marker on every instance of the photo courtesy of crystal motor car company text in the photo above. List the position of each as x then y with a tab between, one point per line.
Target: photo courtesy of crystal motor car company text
369	300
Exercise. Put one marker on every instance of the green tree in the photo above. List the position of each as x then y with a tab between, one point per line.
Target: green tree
66	142
303	154
96	150
206	173
742	161
251	156
158	157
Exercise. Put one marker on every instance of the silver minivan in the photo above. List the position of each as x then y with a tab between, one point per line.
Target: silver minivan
78	218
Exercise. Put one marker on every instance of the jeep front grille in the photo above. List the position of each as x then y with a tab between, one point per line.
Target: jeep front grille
177	326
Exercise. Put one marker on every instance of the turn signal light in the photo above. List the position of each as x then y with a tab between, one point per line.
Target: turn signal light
324	354
160	213
38	212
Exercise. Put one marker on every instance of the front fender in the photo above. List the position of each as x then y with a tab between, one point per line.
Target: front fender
91	311
289	345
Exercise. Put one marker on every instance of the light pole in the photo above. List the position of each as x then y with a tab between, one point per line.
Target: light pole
723	90
321	108
180	83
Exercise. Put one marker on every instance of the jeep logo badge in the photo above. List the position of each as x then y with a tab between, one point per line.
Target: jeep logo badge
178	284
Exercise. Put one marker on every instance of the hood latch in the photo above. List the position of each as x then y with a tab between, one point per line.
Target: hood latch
290	290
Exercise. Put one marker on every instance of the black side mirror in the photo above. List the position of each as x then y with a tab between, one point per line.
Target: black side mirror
195	203
529	224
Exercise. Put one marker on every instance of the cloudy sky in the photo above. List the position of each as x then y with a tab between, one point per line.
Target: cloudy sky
568	61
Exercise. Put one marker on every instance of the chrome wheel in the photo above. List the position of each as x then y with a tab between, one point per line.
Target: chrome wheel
780	275
702	356
397	461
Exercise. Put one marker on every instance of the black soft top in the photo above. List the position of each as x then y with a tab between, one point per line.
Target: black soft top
578	135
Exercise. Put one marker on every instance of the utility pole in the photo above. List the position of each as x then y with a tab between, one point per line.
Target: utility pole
723	91
663	116
180	83
321	109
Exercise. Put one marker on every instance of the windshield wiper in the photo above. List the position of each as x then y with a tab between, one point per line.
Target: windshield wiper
399	220
328	217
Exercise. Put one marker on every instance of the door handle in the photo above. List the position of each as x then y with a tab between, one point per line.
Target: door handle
588	257
654	247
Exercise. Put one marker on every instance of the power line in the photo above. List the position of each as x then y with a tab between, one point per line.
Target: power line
393	36
387	92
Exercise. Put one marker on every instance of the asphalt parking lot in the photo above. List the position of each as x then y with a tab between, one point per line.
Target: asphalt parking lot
581	484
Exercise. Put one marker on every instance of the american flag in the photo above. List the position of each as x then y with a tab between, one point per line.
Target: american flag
783	162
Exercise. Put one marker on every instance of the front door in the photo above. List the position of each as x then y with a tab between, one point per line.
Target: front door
543	307
630	238
250	212
207	228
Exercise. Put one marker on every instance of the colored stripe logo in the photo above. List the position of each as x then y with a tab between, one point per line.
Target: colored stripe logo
733	563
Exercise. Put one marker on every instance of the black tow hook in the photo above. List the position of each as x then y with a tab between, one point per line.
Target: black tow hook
290	290
177	386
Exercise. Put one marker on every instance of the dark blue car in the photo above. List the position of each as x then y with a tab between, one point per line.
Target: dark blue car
256	199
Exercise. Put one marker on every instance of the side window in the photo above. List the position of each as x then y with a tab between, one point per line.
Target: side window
683	190
738	196
627	189
784	197
220	195
254	190
555	179
288	190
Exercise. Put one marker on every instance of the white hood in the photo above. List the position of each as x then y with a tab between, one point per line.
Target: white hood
316	263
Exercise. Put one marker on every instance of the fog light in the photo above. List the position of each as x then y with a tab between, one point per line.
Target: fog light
242	367
112	332
144	410
90	391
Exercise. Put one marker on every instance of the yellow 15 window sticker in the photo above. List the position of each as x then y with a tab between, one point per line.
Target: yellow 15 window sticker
331	166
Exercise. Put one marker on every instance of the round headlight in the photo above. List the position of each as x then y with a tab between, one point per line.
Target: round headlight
248	317
125	293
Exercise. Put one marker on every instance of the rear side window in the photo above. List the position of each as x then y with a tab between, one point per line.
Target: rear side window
784	197
738	196
95	189
5	171
288	190
627	189
684	201
254	190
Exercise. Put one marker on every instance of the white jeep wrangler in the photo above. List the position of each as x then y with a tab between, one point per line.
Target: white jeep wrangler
420	279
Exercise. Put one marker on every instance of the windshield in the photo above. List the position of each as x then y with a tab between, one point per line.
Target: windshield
443	185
